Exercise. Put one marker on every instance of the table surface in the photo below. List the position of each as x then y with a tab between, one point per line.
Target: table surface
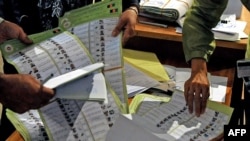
169	33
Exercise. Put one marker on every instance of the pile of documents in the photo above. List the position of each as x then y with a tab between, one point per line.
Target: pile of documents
89	68
164	10
229	28
167	119
143	71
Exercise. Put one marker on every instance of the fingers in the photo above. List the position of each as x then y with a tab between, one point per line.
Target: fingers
23	37
204	98
197	103
190	98
196	99
125	19
128	33
118	28
127	23
16	106
24	106
203	105
27	93
21	109
11	30
46	94
116	31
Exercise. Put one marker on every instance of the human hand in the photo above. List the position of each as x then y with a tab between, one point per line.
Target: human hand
9	30
127	23
22	92
196	88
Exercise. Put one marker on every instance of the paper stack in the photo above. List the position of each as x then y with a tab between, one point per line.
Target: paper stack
164	10
229	28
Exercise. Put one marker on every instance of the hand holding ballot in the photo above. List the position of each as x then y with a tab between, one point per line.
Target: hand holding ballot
127	22
10	30
22	92
82	83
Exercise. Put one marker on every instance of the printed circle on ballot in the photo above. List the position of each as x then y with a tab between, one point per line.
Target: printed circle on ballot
8	48
66	23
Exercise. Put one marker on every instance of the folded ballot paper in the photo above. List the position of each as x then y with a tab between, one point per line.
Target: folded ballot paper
83	83
147	62
164	10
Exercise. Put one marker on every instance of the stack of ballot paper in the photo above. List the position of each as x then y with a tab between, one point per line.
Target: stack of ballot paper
137	81
229	28
156	119
164	10
143	71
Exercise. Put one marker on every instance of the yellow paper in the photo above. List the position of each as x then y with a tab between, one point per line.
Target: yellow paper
147	62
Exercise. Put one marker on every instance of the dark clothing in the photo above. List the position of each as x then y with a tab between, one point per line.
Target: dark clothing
40	15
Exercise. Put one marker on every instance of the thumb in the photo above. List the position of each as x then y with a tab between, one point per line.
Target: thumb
118	28
24	38
115	32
